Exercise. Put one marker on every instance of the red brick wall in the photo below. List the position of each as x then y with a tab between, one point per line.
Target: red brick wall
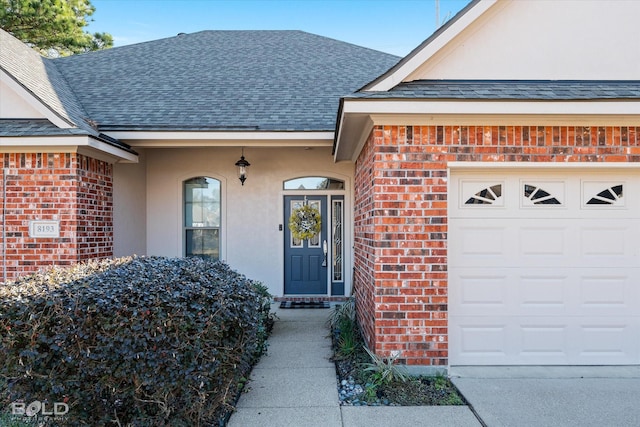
365	244
94	208
71	188
403	169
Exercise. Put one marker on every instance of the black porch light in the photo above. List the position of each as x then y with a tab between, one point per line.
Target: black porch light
243	167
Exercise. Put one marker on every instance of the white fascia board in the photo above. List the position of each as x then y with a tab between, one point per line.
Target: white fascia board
475	108
35	102
422	56
43	141
505	119
540	165
67	144
213	139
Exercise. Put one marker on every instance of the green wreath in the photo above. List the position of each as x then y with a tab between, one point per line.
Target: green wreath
305	222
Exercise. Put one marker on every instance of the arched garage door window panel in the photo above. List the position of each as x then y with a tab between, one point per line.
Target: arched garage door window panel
486	196
609	196
536	195
202	214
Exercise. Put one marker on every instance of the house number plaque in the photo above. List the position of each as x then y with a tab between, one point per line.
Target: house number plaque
44	229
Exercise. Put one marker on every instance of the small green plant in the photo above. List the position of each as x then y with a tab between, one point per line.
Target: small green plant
452	399
443	385
348	344
380	372
441	382
370	392
342	321
385	371
342	314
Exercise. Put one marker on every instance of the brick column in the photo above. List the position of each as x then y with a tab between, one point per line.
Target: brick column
67	187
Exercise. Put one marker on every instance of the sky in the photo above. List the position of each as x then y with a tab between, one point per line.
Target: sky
391	26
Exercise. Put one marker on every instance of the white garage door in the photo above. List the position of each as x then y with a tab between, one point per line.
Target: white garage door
544	267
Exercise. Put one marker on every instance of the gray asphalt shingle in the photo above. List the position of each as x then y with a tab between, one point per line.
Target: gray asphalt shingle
40	76
241	80
35	127
533	90
237	80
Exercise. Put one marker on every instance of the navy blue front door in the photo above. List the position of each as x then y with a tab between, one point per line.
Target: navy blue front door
305	263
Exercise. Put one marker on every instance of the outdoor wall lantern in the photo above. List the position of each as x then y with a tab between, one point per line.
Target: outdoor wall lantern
243	167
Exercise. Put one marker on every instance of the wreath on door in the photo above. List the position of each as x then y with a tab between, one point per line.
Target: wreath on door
305	222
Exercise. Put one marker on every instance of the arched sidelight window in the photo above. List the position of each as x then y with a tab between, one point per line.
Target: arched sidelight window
202	214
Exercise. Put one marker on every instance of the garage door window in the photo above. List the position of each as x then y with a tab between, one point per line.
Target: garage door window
609	196
486	196
536	195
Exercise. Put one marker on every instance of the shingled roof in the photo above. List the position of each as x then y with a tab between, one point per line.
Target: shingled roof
222	80
538	90
40	77
35	127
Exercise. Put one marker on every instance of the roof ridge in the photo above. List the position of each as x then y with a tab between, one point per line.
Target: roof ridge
214	31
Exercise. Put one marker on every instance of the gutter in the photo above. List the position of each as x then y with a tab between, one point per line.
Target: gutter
338	122
115	142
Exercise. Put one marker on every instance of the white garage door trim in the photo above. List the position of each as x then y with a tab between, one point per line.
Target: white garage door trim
544	266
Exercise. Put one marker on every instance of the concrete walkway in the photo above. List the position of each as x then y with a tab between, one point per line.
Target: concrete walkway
295	385
552	396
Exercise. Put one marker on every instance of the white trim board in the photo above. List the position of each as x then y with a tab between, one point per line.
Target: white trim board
540	165
228	139
67	144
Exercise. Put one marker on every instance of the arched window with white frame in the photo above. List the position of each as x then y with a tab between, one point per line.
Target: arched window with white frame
202	217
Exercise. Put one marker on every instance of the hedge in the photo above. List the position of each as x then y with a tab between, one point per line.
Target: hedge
133	341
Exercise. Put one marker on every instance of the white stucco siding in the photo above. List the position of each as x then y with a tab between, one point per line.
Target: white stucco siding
129	207
14	106
251	214
532	39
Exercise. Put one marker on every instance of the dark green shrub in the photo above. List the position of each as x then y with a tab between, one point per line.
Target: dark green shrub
139	341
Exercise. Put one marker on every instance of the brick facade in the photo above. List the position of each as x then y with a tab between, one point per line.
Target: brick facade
400	214
365	243
74	189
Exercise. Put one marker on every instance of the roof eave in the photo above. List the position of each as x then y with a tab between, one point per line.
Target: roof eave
359	116
91	146
222	138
